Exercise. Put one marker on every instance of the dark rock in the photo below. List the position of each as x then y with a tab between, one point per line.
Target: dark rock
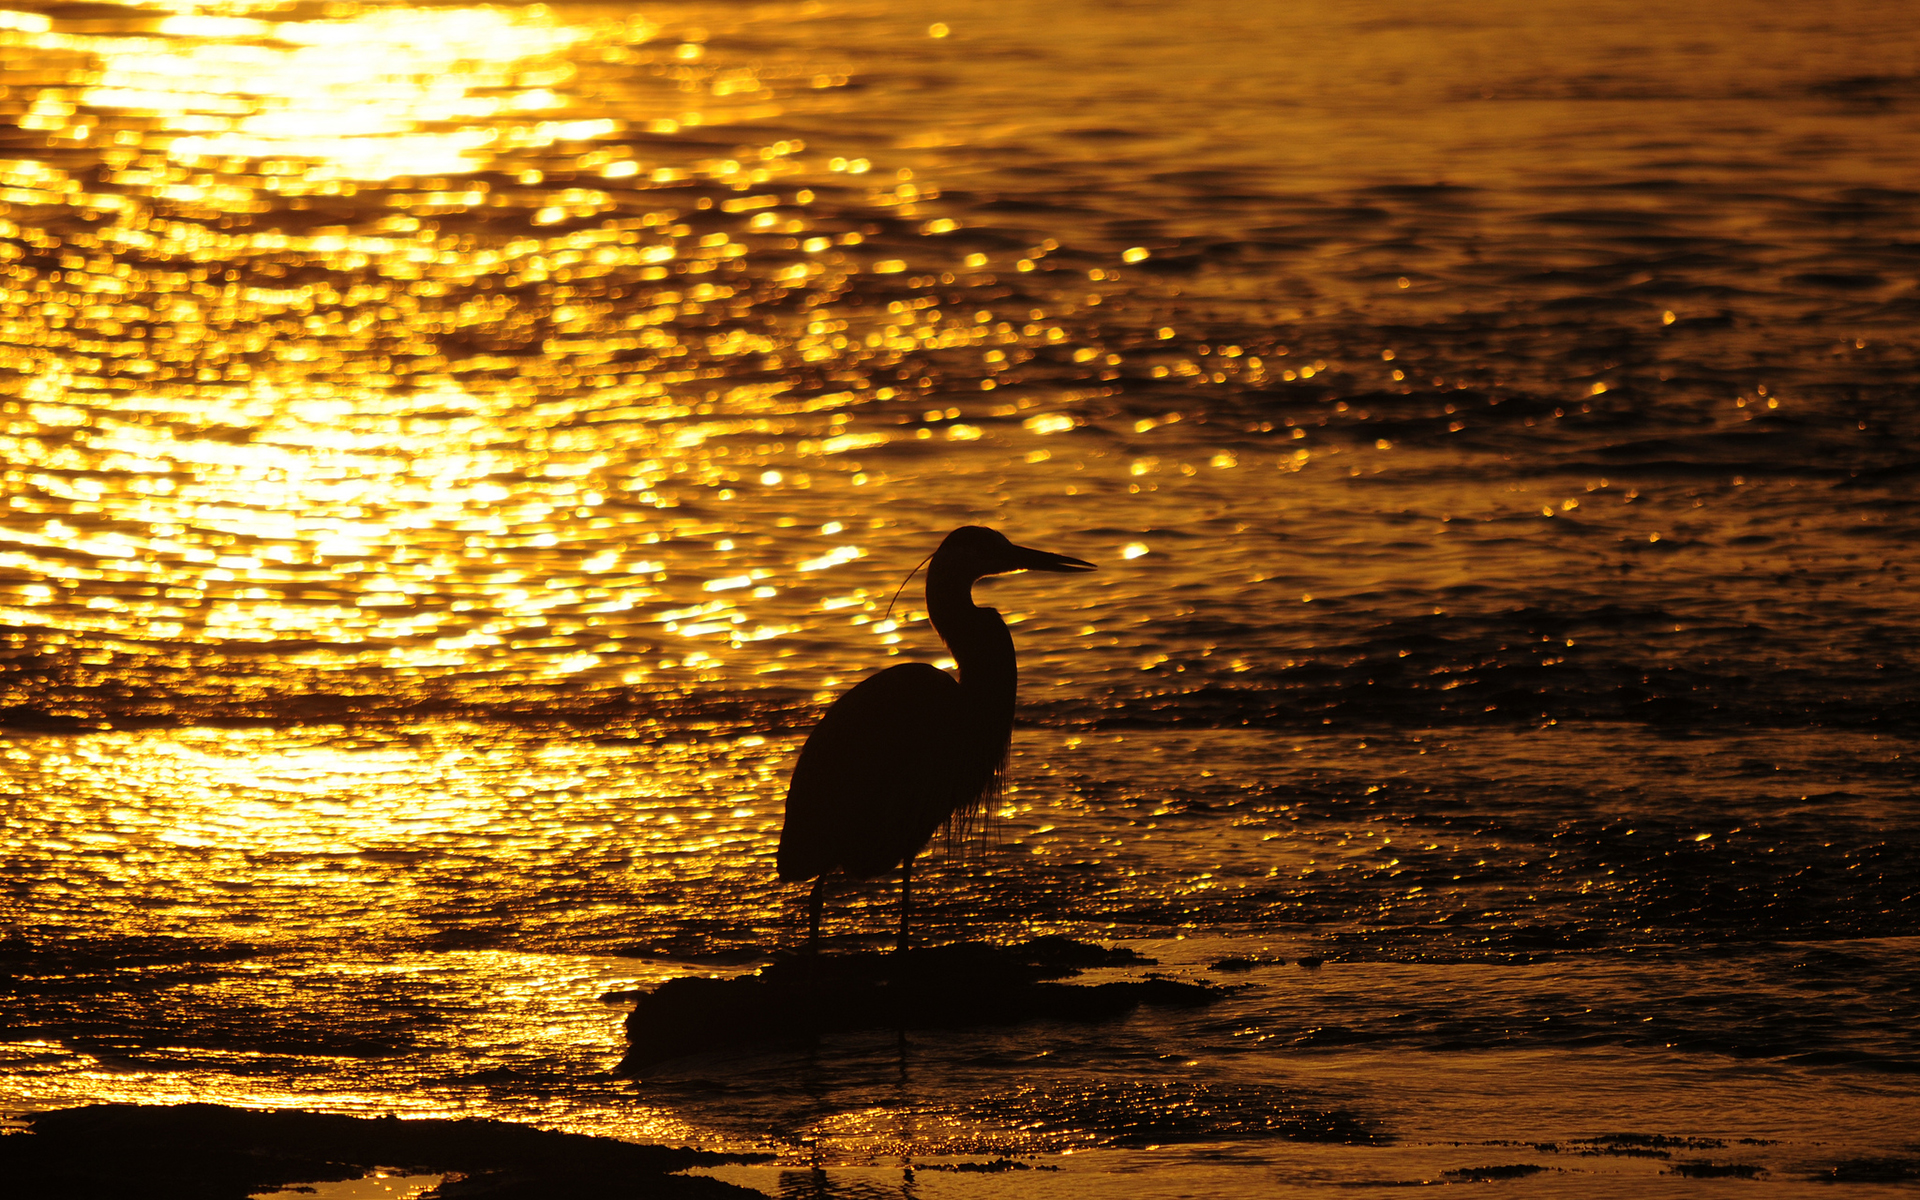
1238	963
1488	1174
212	1152
1063	953
1872	1170
553	1183
983	1168
1713	1170
1642	1145
943	987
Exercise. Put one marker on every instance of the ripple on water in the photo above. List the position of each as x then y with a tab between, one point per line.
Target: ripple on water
454	453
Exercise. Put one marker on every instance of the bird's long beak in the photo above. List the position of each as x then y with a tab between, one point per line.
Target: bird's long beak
1023	558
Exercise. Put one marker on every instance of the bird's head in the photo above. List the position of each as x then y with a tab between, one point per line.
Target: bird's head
975	551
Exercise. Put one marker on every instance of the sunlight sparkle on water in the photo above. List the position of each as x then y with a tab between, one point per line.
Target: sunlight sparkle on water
410	354
452	454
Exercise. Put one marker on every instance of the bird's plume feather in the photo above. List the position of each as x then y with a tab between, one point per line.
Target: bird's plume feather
905	582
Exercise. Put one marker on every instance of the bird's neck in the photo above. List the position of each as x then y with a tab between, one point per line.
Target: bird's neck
982	647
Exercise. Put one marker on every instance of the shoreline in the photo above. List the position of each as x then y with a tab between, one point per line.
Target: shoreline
221	1152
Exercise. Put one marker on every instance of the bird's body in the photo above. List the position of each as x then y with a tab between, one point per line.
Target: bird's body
844	807
912	748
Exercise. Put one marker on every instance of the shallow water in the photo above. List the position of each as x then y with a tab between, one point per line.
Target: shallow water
446	476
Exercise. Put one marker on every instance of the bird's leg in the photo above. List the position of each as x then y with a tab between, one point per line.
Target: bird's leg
906	899
813	915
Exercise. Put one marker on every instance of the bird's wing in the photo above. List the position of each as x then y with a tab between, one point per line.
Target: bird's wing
877	776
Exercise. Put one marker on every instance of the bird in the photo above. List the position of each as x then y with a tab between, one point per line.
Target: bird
911	749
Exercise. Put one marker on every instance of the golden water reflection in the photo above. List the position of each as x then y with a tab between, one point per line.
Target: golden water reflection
425	342
484	435
255	834
490	357
356	95
541	1019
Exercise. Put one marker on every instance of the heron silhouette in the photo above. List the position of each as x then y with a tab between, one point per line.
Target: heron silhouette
912	748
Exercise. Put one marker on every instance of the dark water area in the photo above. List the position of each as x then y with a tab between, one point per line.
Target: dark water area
452	455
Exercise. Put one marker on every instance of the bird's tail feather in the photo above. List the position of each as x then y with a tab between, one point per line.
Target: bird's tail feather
970	828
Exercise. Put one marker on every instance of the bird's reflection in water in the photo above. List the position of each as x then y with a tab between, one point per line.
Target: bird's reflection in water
816	1182
912	748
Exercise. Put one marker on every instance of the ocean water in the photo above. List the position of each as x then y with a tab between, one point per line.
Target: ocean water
452	454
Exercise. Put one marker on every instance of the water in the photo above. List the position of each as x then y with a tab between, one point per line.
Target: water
453	452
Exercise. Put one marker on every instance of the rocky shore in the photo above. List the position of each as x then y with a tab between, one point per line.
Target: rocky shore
213	1152
940	987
